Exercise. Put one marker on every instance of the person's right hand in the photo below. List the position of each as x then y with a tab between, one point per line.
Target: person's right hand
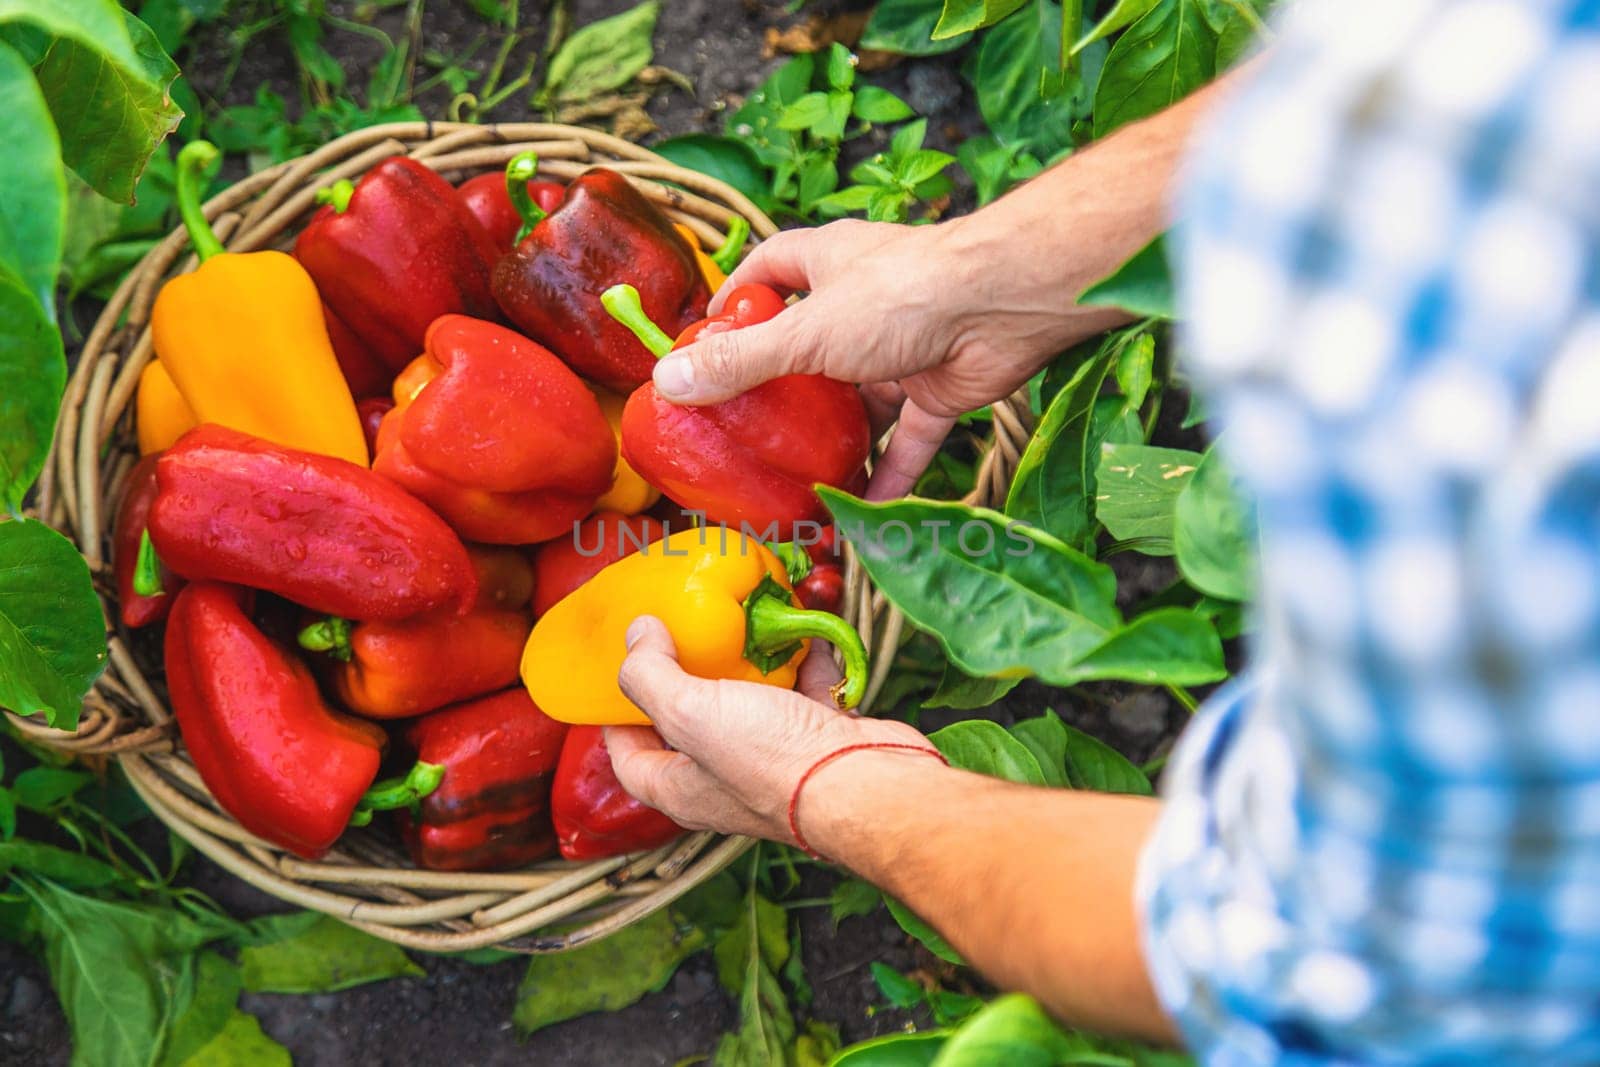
923	316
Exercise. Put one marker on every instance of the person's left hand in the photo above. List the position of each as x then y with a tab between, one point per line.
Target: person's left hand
738	749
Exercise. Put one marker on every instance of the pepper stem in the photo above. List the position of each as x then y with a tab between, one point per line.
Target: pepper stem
337	195
622	303
404	792
774	627
193	159
726	257
147	568
330	635
519	172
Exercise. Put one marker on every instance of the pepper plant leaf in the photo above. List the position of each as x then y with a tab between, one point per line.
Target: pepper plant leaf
1141	286
601	57
1137	490
318	955
52	629
1214	533
906	27
964	16
33	213
1163	57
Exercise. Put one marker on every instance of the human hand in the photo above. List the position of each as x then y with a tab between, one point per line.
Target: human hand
738	749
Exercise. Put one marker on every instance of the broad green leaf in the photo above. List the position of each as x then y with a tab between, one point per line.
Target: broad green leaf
322	956
1214	533
906	27
1120	15
33	372
876	104
57	864
1239	24
964	16
1054	486
1017	78
601	57
749	957
810	110
1046	738
1093	764
96	22
960	690
33	211
110	113
215	1002
984	747
931	939
1141	286
840	67
1163	57
895	1050
39	789
1171	646
1135	370
852	897
606	975
727	158
1137	488
1013	1030
901	991
240	1043
52	628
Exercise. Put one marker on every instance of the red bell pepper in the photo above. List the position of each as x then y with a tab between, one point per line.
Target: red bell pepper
604	231
371	412
489	200
321	532
565	563
822	589
505	577
594	816
130	554
492	809
394	252
753	459
504	441
364	372
275	757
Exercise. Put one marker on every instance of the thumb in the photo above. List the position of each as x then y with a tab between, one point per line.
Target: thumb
723	365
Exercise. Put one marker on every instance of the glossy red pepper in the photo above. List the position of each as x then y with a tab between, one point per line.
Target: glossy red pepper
371	412
563	564
394	252
605	231
363	371
594	816
275	757
321	532
822	589
503	440
753	459
135	608
489	201
492	808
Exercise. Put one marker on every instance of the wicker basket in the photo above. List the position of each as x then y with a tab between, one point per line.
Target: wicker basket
367	881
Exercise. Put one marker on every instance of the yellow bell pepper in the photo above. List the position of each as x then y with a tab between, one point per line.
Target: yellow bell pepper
629	493
245	343
716	266
160	413
728	604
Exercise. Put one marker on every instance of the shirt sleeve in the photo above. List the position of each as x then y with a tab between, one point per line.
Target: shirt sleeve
1383	846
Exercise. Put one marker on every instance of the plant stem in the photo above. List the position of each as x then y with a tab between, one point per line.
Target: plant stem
622	303
193	160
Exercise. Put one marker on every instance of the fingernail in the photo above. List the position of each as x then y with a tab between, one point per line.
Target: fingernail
674	376
635	632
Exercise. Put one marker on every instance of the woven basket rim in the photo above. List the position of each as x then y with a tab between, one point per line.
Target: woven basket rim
364	880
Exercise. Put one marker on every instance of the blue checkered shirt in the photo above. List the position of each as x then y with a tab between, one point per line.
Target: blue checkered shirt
1383	845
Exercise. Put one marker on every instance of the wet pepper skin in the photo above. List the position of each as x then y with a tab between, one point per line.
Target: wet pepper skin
755	458
132	515
564	564
486	197
594	816
500	437
321	532
403	252
265	744
604	232
492	810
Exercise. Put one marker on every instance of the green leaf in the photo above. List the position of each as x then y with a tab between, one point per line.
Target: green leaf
56	864
876	104
895	1050
33	373
922	165
840	67
1022	92
1171	646
601	57
1121	14
810	110
39	789
1214	533
215	1002
1054	486
606	975
749	957
1093	764
994	167
1141	286
853	897
321	956
1163	57
240	1043
33	213
111	105
52	628
906	27
1013	1030
1046	738
964	16
1238	24
761	930
984	747
1137	492
962	691
8	815
931	939
726	158
850	198
1135	370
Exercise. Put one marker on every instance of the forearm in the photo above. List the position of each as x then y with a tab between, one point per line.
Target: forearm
1034	887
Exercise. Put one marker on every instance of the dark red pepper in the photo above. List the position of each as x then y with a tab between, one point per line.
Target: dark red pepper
489	201
594	816
363	371
492	808
135	608
371	412
394	252
276	758
605	231
753	459
563	564
822	589
321	532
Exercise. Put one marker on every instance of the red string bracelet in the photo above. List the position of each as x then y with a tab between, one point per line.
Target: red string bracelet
794	798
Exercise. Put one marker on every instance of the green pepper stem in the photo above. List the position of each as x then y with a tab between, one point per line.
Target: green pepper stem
773	623
403	792
193	159
330	635
726	257
147	568
519	172
795	560
622	303
337	195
